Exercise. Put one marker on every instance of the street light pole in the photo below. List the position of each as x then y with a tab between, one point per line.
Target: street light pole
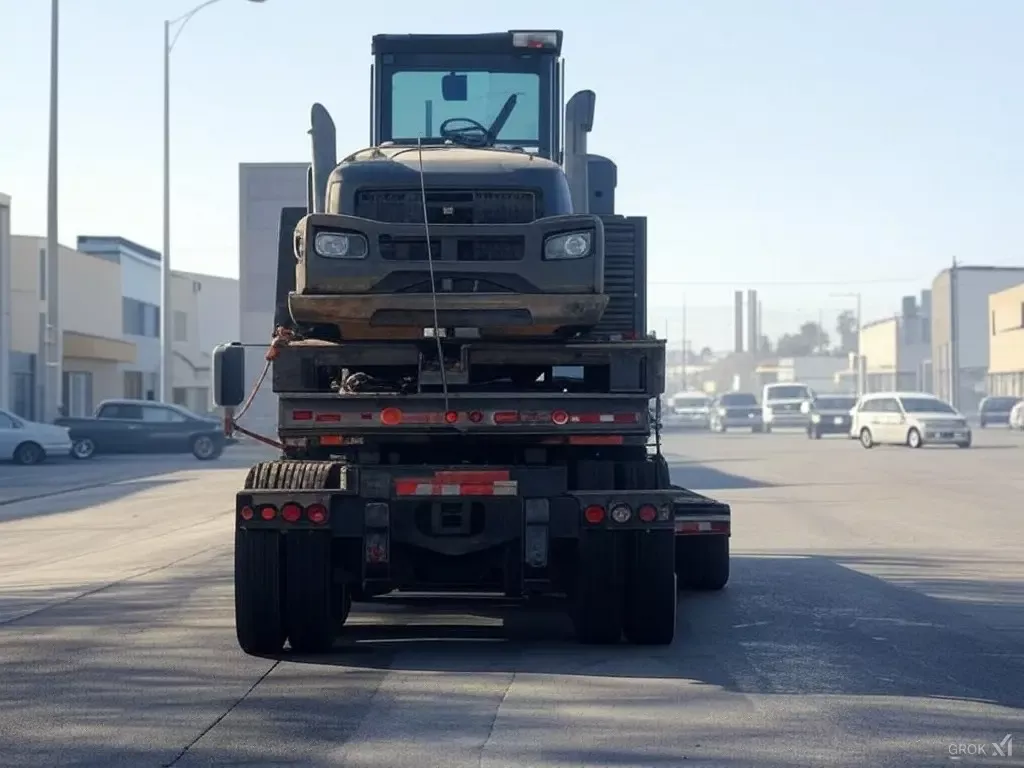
53	351
166	306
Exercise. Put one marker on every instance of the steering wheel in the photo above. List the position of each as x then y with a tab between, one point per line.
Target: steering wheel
471	132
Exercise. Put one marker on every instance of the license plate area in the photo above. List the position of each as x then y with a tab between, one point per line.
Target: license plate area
450	518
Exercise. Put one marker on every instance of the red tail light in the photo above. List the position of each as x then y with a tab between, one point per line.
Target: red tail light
391	417
302	415
594	514
291	512
268	513
317	513
476	417
451	417
561	418
647	513
506	417
247	513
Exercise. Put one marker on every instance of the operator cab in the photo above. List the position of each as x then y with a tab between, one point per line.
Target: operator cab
491	90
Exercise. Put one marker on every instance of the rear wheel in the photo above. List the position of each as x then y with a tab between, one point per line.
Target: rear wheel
702	562
597	594
83	448
29	453
259	619
649	613
311	605
205	448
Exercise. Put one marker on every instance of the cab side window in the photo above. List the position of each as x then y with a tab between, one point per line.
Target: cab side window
889	405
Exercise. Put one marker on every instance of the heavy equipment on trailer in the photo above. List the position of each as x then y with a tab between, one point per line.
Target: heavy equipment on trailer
462	366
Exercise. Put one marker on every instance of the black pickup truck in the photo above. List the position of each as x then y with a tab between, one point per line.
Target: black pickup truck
144	426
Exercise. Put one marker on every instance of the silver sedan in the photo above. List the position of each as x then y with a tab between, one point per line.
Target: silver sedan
30	442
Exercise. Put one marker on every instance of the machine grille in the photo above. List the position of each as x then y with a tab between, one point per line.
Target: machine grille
448	206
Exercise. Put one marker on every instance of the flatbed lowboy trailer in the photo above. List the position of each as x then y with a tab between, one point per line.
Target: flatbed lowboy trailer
502	449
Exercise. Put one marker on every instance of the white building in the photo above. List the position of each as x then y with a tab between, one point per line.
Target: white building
219	319
972	288
264	189
141	299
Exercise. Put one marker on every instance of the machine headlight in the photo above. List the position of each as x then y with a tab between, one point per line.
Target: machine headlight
572	245
340	245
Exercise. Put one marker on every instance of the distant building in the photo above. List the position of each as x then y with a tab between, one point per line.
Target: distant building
1006	342
897	350
141	296
819	372
973	287
90	314
264	189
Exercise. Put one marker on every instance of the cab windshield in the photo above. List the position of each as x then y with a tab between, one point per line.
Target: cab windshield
439	104
692	402
788	392
925	405
835	403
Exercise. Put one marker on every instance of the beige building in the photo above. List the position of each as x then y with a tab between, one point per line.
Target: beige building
191	369
91	316
1006	344
897	350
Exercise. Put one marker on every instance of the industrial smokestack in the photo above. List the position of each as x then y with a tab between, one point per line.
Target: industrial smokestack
753	331
738	321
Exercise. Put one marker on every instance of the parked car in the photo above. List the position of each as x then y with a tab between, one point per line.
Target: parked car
736	410
144	426
30	442
829	414
908	418
995	409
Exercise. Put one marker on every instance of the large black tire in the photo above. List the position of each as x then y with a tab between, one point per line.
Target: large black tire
597	589
702	562
649	613
206	448
311	606
83	448
259	618
29	453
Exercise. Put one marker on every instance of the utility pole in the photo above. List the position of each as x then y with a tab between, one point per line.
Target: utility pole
54	352
684	342
954	336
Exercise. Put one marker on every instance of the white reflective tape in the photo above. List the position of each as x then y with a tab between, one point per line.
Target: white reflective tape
607	418
506	488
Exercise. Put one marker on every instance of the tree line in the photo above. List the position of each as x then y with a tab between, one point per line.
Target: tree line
812	339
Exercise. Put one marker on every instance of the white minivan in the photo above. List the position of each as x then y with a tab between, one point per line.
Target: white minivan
907	418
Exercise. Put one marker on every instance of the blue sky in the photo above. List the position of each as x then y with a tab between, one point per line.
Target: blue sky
862	143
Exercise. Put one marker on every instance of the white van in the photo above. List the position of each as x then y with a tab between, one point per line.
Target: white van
780	405
907	418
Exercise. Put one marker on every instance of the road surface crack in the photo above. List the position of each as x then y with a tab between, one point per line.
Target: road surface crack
217	721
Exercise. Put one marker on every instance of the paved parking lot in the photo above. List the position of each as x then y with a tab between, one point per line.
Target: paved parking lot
875	618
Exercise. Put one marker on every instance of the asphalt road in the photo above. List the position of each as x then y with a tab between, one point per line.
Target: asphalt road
875	618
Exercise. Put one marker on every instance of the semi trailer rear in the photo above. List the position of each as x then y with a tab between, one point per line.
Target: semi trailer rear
462	367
